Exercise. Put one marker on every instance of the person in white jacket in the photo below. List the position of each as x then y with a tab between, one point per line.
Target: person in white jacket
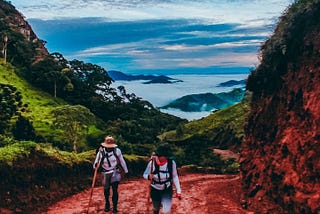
111	159
162	171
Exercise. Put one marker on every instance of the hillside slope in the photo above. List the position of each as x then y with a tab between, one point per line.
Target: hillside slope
280	161
23	45
39	103
223	128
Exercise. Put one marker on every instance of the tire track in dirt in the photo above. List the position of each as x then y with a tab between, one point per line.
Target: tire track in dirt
201	193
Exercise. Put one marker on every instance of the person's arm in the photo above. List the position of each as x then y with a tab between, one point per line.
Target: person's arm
175	177
122	161
147	171
96	161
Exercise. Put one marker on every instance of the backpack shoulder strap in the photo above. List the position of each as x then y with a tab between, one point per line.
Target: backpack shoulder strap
156	168
118	160
170	160
103	152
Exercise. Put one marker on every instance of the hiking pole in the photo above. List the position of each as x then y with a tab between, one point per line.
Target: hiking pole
93	183
150	176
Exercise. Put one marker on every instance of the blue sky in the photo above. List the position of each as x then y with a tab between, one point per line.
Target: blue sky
156	36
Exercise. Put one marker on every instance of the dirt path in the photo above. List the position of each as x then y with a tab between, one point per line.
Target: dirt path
201	193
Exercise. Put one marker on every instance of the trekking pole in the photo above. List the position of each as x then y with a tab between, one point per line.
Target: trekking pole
150	176
93	183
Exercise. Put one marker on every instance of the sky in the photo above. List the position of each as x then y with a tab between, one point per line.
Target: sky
156	36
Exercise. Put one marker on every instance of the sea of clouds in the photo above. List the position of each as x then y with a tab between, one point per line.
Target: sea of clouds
162	94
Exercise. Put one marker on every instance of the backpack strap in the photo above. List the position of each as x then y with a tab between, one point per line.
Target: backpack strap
115	154
169	170
102	159
105	156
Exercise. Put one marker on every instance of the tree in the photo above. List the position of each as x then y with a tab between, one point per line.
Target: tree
10	105
23	129
51	74
74	121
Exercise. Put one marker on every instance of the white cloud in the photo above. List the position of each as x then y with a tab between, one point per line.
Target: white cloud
253	12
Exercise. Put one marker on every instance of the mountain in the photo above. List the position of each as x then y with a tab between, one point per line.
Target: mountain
206	101
118	75
231	83
163	80
22	46
280	155
222	130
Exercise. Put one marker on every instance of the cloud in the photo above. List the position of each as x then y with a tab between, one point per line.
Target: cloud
129	35
167	46
214	11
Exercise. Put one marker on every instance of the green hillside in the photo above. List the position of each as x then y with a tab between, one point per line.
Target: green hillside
207	101
194	142
48	86
231	118
39	103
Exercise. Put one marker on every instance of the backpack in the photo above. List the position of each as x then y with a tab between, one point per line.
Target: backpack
157	171
104	156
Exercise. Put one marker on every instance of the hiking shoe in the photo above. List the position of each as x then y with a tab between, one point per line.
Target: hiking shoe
107	207
115	211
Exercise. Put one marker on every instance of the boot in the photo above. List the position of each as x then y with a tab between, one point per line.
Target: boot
115	210
107	206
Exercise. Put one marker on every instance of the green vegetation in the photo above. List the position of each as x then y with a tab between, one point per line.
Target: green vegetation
194	142
74	122
55	112
39	103
22	149
231	118
207	101
281	51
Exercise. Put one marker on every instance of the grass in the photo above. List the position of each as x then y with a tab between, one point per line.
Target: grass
22	150
39	103
233	117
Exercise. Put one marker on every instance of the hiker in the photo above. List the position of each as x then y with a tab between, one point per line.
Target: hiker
111	161
162	172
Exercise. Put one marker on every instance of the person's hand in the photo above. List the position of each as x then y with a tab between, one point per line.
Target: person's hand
178	195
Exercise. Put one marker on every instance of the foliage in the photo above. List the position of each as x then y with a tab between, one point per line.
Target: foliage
207	101
230	120
23	129
40	104
5	140
193	142
10	153
22	50
284	47
50	74
74	121
10	104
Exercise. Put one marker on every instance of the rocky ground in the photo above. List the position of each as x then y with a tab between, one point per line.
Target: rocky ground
201	193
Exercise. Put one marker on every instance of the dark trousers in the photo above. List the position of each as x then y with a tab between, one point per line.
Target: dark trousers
161	197
107	184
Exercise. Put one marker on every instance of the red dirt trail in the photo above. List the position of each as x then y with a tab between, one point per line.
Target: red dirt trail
201	194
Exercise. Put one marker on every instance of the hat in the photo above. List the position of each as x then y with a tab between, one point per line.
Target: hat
164	150
109	142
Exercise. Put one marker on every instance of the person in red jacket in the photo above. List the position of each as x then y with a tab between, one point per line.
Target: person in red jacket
163	176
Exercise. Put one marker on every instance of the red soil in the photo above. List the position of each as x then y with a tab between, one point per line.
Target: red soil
201	193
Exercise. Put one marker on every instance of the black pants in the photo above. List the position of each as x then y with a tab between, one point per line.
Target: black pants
162	197
107	184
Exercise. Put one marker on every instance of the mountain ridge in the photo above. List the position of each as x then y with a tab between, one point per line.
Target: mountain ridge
206	101
150	79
